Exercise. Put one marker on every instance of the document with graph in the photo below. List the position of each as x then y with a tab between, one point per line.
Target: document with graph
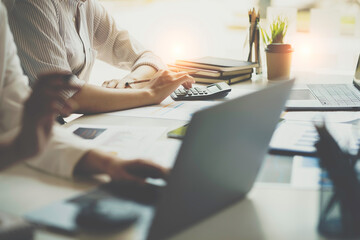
298	138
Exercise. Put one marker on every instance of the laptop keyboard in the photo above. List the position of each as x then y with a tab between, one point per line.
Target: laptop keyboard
336	94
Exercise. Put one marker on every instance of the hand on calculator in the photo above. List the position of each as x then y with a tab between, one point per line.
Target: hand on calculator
212	91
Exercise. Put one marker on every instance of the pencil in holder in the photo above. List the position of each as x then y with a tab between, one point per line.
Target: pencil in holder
340	197
253	40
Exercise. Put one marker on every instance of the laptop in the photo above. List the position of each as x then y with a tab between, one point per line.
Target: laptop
216	165
327	97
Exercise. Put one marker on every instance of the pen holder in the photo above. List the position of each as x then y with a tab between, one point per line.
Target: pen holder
252	46
337	218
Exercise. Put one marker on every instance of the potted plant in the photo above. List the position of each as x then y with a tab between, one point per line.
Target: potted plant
278	53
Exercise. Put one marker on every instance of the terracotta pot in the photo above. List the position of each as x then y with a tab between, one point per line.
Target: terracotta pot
278	61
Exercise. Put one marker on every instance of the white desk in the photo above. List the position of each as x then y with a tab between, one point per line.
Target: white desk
268	212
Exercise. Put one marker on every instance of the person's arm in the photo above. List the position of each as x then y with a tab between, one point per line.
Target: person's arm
68	155
97	162
32	36
93	99
115	45
140	73
64	150
120	49
40	110
9	154
34	113
35	27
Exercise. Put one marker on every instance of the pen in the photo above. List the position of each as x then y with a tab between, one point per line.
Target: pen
127	84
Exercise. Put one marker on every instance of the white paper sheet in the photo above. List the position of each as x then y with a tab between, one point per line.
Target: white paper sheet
179	110
129	142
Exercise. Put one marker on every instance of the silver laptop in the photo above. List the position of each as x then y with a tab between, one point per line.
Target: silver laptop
323	97
217	164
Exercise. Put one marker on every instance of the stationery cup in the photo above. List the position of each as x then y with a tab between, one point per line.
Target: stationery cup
336	220
278	61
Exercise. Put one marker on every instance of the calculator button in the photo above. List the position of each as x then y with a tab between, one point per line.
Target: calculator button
181	94
198	89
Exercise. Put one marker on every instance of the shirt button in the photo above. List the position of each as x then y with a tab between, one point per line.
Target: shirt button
74	19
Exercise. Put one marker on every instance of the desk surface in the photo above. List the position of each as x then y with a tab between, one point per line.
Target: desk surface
270	211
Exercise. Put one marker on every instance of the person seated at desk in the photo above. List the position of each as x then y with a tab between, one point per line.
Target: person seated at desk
40	109
54	35
65	154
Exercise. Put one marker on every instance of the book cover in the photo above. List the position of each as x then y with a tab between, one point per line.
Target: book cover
208	73
228	80
214	63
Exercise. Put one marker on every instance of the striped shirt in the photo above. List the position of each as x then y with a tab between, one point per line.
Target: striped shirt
68	35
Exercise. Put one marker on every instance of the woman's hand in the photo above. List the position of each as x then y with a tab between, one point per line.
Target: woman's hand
45	103
116	83
141	72
134	77
165	82
135	171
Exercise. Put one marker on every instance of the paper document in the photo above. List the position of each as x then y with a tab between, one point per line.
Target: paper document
168	109
329	117
307	174
130	142
300	137
179	110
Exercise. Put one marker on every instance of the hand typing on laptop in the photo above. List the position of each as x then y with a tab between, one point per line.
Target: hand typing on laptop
135	171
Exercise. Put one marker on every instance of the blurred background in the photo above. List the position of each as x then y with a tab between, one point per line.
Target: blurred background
324	33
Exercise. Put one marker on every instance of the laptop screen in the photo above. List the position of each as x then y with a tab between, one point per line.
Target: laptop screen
357	74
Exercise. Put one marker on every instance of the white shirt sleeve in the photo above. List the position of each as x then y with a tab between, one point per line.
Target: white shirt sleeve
46	38
41	51
64	149
62	154
115	45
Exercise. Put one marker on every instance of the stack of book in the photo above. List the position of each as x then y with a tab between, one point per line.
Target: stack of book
213	69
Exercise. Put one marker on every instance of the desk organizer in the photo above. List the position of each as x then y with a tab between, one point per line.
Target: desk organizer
340	189
336	219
